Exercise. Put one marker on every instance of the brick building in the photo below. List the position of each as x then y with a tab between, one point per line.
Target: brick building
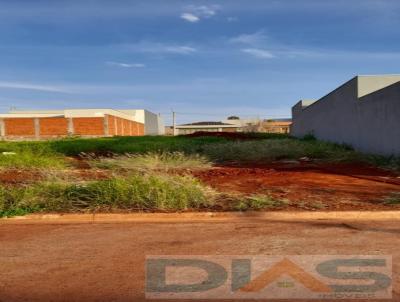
78	122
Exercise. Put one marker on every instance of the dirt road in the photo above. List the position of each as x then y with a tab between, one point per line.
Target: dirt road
105	261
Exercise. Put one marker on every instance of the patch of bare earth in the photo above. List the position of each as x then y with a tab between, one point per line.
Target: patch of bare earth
106	262
20	177
312	186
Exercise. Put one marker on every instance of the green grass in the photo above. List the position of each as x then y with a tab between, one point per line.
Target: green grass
49	154
149	191
155	192
152	160
29	155
270	150
139	144
134	193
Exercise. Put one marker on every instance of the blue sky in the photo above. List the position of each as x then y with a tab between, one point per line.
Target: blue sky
204	59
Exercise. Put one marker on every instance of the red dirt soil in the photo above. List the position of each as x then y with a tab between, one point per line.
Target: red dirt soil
106	262
17	177
309	185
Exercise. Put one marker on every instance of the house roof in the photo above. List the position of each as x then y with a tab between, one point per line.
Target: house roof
278	120
208	123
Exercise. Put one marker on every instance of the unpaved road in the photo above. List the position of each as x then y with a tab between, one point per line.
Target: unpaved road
105	261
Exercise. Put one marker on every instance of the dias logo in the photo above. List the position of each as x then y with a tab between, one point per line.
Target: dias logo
268	277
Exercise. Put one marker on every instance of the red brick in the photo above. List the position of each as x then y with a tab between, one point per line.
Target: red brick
111	125
85	126
120	126
126	127
19	126
53	126
88	126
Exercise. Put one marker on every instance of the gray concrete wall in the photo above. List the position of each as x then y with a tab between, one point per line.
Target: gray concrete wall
153	124
161	125
370	123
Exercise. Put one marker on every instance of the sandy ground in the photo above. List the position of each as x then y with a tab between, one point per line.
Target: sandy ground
105	261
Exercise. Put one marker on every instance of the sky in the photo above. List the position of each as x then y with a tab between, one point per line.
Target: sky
204	59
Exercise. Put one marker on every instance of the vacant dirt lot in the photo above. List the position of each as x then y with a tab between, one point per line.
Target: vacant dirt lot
310	185
105	262
306	185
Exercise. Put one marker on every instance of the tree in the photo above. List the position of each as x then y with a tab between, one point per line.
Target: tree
233	117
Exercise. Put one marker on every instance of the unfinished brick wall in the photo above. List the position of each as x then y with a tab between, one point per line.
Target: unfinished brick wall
24	127
88	126
111	125
30	128
53	126
126	124
121	129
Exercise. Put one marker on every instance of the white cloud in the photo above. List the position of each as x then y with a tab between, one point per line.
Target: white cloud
195	13
190	17
184	50
259	53
160	48
30	86
205	11
251	39
126	65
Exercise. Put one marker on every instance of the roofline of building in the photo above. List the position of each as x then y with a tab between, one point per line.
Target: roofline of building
348	81
31	115
379	75
329	93
206	126
70	113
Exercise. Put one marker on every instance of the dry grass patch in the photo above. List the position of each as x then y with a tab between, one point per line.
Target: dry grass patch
164	161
